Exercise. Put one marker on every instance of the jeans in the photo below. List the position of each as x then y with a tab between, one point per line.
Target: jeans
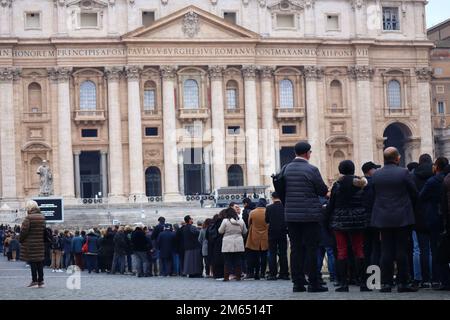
394	246
91	262
176	264
329	251
37	271
67	258
118	263
129	263
278	247
357	241
140	262
372	247
79	260
165	266
304	238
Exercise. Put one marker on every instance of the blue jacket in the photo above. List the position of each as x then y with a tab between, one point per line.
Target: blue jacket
166	244
67	244
430	195
304	186
77	244
93	243
395	195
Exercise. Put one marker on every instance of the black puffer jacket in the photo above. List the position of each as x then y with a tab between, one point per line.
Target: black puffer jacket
420	176
304	186
346	211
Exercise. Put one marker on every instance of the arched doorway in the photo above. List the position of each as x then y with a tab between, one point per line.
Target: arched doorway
235	176
153	182
398	135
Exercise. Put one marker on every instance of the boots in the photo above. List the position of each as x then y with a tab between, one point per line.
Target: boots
238	273
342	268
226	274
361	272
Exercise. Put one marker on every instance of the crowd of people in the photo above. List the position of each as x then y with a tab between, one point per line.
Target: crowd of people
392	217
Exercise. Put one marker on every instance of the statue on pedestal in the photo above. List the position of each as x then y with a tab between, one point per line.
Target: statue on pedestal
46	180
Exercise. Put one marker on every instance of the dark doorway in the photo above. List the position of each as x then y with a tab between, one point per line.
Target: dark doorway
194	171
90	177
397	134
235	176
153	182
287	154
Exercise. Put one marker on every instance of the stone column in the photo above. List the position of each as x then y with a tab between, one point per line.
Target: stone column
135	136
5	18
251	126
171	192
76	155
360	20
312	74
366	141
115	135
181	171
112	18
7	134
61	17
268	133
104	171
423	91
66	172
310	20
218	127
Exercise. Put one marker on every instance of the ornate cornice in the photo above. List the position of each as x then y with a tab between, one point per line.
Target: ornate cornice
361	72
249	71
133	72
357	4
9	74
168	72
6	3
262	3
424	74
266	72
313	72
216	72
113	73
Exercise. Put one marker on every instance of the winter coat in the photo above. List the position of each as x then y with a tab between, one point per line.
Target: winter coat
233	232
14	245
445	203
258	232
67	244
139	241
166	244
368	198
157	230
93	244
32	237
204	242
77	244
420	176
120	243
395	196
190	237
246	212
345	210
275	219
430	195
304	186
106	245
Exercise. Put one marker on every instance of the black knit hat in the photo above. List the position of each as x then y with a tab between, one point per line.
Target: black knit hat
347	167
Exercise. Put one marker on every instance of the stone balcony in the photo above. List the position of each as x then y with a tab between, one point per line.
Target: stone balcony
191	115
35	116
236	113
403	112
289	114
89	116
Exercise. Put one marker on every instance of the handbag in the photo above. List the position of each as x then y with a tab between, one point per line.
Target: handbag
85	247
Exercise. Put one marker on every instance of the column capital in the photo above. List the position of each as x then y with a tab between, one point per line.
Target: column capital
9	73
216	72
113	73
6	3
266	72
59	73
249	72
76	153
313	72
133	72
357	4
360	72
424	74
168	72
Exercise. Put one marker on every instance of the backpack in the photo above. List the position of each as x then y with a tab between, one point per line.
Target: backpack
279	183
48	237
85	247
56	242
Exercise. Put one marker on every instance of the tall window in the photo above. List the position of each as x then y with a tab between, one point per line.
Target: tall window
286	94
34	97
149	96
88	96
232	94
336	96
394	95
390	19
441	107
191	97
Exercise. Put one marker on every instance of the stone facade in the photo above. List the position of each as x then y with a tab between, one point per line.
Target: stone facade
124	110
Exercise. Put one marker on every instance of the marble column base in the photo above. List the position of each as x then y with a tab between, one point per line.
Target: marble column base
173	197
117	199
137	198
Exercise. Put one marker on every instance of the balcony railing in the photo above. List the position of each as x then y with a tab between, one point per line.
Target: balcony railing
89	116
337	111
390	112
194	114
35	116
151	112
290	113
